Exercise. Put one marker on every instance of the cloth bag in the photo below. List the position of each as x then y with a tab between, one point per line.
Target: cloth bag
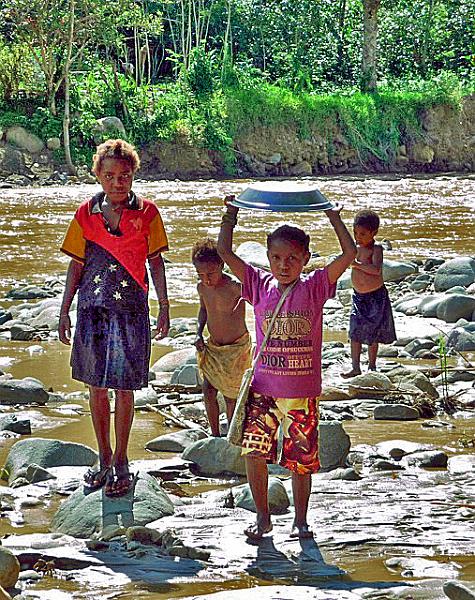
236	427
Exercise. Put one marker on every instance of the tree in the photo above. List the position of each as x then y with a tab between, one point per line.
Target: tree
59	32
370	45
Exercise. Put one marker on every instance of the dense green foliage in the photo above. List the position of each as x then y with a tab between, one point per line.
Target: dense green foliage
208	71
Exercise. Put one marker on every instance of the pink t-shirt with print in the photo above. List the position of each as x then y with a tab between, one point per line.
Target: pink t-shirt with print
290	365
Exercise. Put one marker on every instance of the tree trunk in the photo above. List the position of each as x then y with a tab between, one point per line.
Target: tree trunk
67	66
370	45
66	121
426	38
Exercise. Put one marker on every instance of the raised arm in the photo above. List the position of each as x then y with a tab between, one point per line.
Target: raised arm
73	278
157	272
347	244
225	242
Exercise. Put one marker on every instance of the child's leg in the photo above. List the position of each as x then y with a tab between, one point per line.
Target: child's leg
120	480
257	476
212	408
230	406
301	486
372	356
100	414
96	476
355	360
123	418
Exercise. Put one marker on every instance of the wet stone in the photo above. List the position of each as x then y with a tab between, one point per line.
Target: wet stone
395	412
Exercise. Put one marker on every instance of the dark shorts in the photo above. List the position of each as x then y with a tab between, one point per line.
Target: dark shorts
371	318
111	349
298	418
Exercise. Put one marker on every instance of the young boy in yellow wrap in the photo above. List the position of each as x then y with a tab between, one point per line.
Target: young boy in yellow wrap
226	354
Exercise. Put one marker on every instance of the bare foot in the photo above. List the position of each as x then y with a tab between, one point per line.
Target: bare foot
301	531
256	531
352	373
372	368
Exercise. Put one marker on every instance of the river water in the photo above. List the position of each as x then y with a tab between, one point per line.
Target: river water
421	216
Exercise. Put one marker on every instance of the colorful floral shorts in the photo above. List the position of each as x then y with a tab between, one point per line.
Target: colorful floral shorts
298	418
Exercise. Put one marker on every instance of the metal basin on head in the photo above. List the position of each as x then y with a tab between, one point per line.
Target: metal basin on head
283	196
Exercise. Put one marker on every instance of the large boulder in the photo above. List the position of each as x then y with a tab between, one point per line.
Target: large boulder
396	271
416	379
408	305
214	456
46	453
23	139
458	271
22	391
174	360
369	385
455	307
11	161
108	127
83	515
461	339
429	305
9	568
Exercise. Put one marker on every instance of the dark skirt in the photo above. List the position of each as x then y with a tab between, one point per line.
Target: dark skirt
111	349
371	318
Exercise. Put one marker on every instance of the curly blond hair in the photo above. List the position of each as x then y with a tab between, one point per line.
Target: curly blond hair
115	149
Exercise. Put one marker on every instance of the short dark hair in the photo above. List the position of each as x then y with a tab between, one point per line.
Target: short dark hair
205	251
288	233
118	149
367	219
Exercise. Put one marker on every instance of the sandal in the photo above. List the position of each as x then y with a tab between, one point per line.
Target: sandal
95	477
119	481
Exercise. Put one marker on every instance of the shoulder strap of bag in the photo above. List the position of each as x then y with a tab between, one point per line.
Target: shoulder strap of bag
285	293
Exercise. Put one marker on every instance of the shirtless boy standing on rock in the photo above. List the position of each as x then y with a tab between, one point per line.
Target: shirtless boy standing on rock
371	318
226	354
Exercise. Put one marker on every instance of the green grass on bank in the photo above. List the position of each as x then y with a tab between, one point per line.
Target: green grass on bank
374	124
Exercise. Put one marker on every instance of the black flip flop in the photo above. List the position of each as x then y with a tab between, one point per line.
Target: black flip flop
95	478
118	485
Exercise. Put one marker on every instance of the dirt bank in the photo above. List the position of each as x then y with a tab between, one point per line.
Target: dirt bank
447	143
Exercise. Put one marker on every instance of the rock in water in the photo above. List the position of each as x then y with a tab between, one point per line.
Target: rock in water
9	568
46	453
456	591
22	391
83	515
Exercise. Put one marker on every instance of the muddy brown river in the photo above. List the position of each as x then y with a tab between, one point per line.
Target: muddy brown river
421	216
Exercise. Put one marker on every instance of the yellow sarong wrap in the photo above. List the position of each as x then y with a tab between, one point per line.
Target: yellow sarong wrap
224	366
